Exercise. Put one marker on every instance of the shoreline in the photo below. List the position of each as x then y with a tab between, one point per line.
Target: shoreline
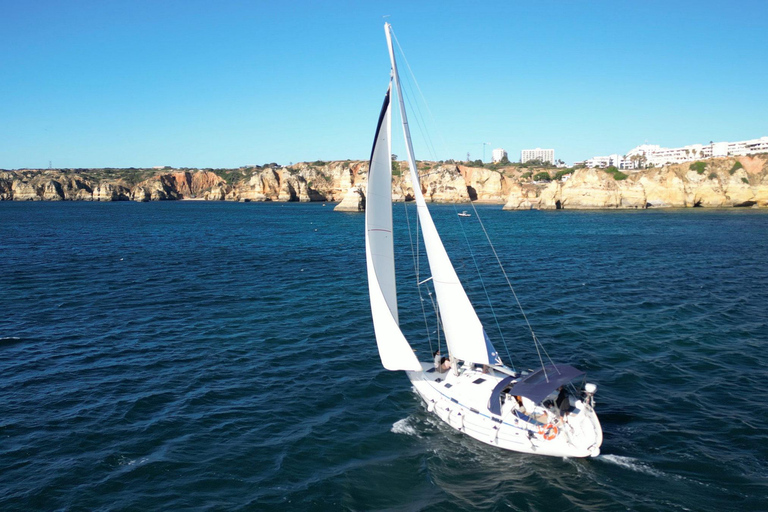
740	182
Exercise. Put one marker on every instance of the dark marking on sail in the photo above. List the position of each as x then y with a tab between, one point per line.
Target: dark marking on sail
383	113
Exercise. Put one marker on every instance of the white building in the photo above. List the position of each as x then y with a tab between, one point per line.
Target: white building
602	162
498	155
545	155
647	155
755	146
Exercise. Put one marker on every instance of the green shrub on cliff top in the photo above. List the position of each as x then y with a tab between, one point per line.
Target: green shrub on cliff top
736	166
699	167
526	175
617	174
542	176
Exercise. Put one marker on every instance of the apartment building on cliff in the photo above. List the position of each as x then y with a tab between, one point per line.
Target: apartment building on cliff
648	155
498	155
545	155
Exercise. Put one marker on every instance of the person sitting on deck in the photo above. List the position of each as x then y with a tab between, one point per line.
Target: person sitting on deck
519	401
442	363
563	402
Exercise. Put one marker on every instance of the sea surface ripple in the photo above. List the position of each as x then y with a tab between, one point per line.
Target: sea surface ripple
220	356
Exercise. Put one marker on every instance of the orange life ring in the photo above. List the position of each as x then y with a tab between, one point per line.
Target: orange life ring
548	431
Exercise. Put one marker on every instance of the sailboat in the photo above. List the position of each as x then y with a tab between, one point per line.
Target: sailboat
545	412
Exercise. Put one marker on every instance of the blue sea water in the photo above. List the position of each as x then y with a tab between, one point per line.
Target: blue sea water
220	356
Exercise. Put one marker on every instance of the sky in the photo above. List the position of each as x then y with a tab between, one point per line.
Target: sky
189	83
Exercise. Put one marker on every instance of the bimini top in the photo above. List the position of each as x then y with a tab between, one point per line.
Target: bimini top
538	385
535	386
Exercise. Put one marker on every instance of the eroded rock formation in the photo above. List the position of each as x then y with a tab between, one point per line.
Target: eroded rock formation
723	182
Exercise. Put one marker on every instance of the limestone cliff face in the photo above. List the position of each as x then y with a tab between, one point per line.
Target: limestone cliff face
6	186
353	201
523	196
111	192
485	185
722	183
263	186
293	188
302	182
177	185
441	183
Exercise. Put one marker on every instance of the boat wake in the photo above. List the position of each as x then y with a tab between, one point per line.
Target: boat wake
404	426
630	463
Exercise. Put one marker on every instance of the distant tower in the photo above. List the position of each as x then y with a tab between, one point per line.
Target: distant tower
467	156
50	165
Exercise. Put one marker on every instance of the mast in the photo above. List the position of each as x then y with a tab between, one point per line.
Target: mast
403	115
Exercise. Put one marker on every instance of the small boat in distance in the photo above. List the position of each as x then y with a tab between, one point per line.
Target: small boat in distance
465	214
543	412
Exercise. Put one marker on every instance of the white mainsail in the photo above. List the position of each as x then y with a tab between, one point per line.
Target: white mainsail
464	334
394	350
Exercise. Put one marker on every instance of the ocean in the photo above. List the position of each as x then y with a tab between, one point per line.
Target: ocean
220	356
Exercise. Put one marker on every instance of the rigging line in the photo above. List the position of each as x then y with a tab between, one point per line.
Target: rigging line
421	94
420	121
547	354
536	342
482	282
416	269
437	321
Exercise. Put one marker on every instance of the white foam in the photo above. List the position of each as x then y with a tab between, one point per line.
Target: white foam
403	426
125	461
630	463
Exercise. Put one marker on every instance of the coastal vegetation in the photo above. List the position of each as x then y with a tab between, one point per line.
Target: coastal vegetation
699	167
617	174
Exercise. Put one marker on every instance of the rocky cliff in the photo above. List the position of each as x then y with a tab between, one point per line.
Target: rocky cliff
723	182
715	183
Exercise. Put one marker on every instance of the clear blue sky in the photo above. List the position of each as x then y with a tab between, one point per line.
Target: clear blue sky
92	83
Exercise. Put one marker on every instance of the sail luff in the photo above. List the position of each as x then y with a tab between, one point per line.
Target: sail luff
394	350
464	334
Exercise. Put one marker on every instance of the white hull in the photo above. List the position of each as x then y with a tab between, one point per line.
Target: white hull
462	402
